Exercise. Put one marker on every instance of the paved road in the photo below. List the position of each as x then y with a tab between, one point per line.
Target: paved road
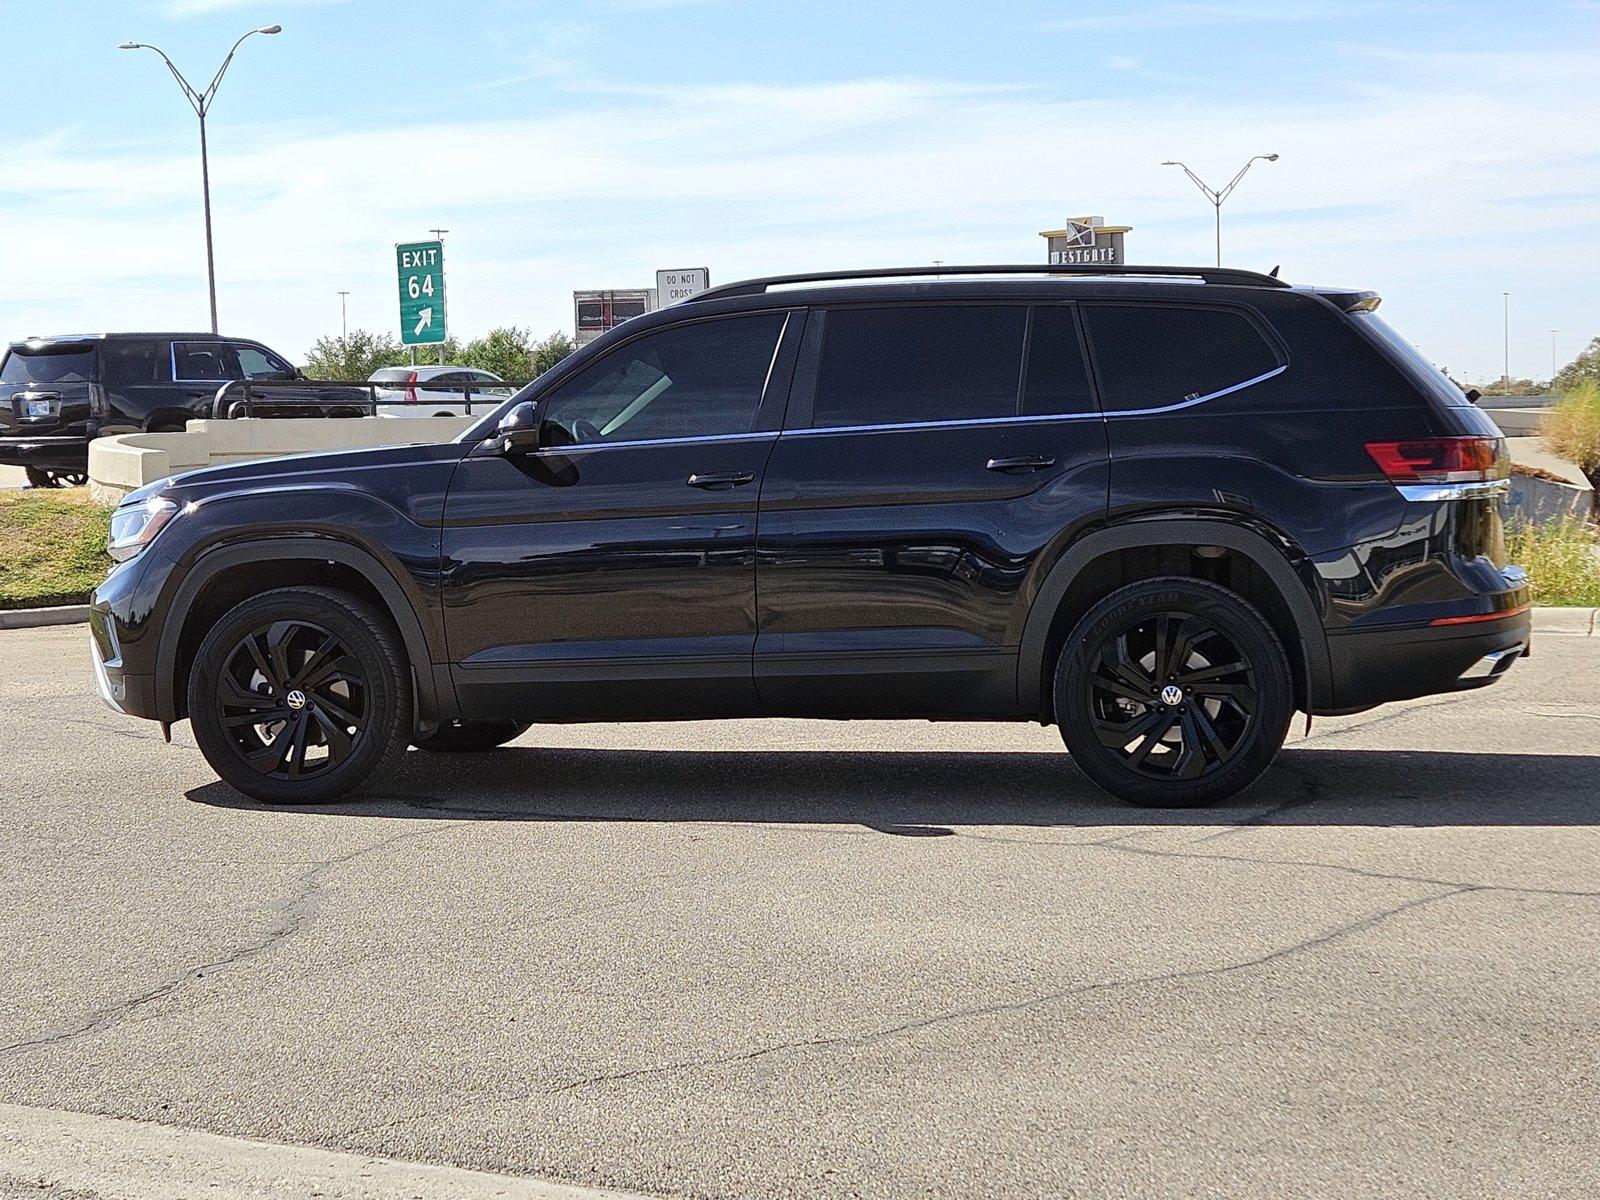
818	960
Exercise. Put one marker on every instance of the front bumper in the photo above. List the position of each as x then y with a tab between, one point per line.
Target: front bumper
48	453
126	689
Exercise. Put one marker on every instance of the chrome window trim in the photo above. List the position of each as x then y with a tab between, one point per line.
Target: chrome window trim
673	441
1037	418
1470	490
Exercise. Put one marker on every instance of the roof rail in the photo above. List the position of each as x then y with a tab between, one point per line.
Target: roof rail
1218	275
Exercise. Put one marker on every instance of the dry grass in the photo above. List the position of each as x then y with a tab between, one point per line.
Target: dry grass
1571	428
1560	560
52	547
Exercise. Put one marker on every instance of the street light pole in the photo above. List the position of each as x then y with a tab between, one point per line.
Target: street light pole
344	324
1505	379
201	103
438	236
1553	333
1218	195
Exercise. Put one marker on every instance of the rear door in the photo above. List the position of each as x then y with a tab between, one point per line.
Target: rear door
932	455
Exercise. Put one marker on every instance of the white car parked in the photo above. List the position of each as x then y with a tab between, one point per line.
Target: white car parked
401	400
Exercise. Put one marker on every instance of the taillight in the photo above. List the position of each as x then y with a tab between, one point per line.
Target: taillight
1446	460
411	392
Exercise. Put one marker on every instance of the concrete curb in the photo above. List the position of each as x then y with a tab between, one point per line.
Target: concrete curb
88	1155
32	618
1578	622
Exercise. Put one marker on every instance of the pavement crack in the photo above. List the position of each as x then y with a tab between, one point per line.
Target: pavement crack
1363	924
293	913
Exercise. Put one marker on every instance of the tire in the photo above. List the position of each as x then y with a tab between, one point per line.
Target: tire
344	661
49	477
469	737
1158	747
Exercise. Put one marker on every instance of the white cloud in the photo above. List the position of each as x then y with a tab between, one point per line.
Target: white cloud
1427	193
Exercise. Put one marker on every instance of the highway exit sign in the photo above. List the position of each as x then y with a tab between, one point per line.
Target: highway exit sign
420	267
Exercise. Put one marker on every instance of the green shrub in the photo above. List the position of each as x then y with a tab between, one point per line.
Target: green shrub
52	547
1572	427
1560	560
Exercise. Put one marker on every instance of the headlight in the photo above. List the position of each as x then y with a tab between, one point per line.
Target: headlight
134	527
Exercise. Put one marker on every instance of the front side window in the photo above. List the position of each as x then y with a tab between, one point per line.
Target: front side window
922	362
699	380
1152	356
256	363
204	362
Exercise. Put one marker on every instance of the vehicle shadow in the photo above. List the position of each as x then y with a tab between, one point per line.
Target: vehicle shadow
923	794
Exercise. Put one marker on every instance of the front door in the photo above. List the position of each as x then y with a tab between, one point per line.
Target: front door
610	573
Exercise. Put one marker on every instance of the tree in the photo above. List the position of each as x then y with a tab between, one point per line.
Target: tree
1585	367
354	356
511	353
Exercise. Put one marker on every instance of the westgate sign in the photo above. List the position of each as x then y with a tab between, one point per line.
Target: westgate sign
1086	241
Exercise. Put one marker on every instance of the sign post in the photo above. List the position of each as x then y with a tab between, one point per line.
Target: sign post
674	286
420	270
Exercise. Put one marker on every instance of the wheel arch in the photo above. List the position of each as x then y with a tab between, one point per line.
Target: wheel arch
323	561
1087	562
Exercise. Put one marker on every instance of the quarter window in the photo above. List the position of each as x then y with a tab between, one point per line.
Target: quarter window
699	380
1150	356
924	362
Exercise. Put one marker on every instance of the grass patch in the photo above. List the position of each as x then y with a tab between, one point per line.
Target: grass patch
1560	561
52	547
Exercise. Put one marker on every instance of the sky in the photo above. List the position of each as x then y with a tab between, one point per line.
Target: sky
1440	153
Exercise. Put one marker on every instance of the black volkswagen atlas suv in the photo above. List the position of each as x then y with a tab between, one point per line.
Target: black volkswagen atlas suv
1161	508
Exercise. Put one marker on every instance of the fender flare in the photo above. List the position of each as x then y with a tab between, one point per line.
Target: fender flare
433	699
1259	549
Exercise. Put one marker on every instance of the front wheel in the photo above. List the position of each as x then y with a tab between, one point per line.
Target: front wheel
1173	693
300	695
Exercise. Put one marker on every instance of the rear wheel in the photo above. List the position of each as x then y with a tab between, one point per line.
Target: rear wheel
300	695
49	477
465	737
1173	692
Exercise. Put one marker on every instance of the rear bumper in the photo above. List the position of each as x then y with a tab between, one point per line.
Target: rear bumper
1376	666
52	453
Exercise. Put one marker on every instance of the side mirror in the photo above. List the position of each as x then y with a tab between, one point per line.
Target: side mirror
518	429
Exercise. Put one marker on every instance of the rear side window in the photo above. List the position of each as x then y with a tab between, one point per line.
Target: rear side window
204	362
924	362
127	364
1151	356
76	366
703	379
1057	381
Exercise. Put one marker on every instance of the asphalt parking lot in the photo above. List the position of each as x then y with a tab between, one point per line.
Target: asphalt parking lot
815	959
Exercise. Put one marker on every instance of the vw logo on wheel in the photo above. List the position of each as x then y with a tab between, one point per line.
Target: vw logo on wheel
1171	695
295	700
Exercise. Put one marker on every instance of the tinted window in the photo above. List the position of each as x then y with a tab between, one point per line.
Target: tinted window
1149	356
256	363
76	367
125	364
924	362
1056	381
204	362
389	374
695	380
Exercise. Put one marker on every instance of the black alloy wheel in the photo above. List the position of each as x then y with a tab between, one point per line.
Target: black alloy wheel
300	695
1173	692
44	477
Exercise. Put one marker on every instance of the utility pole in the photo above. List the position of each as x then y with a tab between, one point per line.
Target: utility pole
344	323
201	103
1553	333
438	236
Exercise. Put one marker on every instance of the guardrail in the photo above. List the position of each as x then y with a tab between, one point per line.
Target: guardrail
352	398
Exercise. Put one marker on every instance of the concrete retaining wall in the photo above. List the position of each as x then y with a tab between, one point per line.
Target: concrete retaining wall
119	464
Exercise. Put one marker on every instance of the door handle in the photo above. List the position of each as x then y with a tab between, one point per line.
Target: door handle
1022	462
719	483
